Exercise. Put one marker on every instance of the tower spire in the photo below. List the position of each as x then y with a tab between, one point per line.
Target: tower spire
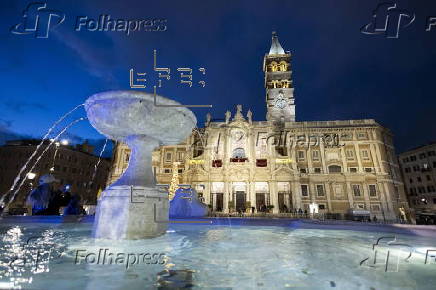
278	83
276	48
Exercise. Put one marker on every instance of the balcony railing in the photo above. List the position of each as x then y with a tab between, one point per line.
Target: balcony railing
217	163
261	162
238	159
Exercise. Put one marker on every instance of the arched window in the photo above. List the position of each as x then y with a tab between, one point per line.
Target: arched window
283	66
238	153
335	169
273	66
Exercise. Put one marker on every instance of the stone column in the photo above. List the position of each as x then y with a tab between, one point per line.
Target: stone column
312	192
272	186
226	197
391	214
329	190
366	196
350	194
309	160
253	193
296	195
206	194
375	158
379	156
359	161
213	201
382	197
344	160
322	156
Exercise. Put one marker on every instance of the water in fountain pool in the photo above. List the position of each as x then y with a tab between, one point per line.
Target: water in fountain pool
219	255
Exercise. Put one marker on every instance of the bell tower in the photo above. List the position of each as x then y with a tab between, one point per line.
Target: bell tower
278	84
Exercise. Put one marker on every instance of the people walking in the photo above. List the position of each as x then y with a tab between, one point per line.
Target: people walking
40	197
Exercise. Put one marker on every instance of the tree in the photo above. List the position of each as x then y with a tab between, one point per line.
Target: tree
174	181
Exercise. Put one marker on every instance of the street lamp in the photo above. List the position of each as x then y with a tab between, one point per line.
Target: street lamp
64	142
31	175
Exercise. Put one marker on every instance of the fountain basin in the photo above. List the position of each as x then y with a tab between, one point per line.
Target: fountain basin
133	207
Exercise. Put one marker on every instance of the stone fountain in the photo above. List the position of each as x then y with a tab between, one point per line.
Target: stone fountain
133	207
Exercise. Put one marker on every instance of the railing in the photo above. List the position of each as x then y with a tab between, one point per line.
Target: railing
330	217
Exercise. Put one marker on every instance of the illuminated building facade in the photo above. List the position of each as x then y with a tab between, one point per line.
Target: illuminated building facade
419	172
283	165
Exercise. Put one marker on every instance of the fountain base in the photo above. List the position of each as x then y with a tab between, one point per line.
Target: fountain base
131	212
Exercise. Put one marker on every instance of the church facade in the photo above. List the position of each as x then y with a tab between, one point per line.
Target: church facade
282	164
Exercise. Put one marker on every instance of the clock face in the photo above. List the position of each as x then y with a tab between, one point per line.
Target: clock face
280	101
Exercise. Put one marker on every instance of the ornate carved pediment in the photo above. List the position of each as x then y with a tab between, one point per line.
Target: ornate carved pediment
238	174
283	170
196	169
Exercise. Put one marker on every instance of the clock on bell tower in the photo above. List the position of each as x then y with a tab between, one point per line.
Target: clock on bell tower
278	84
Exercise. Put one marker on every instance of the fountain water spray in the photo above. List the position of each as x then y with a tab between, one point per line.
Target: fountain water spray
98	162
36	162
23	168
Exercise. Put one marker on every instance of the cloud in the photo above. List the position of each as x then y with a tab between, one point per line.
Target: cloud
20	106
92	58
7	134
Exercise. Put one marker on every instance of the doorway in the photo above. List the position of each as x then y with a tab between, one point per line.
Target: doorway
240	201
219	201
260	200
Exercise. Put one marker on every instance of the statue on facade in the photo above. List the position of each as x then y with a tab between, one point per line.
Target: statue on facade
228	115
208	118
238	115
250	116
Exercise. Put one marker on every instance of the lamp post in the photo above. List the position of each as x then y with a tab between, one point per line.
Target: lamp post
30	176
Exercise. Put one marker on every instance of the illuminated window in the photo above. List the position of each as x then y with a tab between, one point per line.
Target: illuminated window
320	190
375	207
365	154
301	155
356	189
304	190
315	155
372	190
335	169
273	66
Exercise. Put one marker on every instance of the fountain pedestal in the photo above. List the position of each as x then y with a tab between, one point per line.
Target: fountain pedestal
131	212
133	207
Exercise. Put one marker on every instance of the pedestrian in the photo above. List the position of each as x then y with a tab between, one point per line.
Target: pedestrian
40	197
61	198
74	207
